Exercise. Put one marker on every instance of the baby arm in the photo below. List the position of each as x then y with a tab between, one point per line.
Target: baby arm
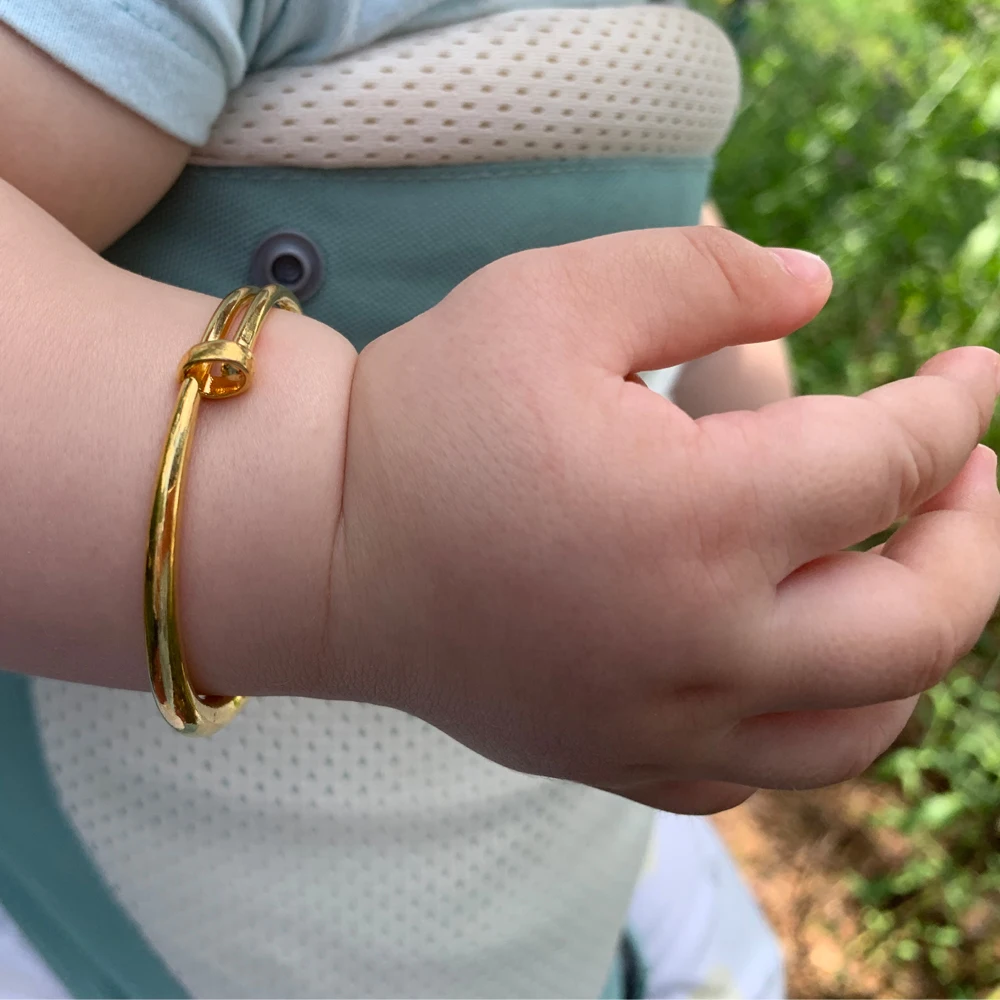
88	354
85	159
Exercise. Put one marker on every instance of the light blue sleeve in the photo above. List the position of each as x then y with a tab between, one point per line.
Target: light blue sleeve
174	61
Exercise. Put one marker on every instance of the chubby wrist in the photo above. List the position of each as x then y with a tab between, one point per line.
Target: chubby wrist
261	517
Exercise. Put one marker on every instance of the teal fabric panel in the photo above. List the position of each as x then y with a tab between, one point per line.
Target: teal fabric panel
48	883
614	988
396	241
627	978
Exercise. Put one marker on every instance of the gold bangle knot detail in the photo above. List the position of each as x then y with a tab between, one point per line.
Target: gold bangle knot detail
220	367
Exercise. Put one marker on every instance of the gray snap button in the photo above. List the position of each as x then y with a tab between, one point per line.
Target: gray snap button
288	258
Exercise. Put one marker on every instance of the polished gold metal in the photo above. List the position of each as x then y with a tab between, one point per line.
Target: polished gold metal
215	368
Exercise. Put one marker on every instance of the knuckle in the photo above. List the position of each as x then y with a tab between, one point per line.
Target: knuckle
940	648
562	282
527	272
916	467
725	254
925	452
531	295
728	527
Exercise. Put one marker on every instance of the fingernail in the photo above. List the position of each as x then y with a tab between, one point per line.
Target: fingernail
803	265
992	456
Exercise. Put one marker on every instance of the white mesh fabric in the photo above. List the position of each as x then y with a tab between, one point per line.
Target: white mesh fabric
318	849
530	85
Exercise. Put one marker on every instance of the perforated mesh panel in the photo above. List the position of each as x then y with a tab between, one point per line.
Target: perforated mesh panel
346	850
630	81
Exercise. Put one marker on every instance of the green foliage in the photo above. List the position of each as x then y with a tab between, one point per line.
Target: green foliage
871	135
941	905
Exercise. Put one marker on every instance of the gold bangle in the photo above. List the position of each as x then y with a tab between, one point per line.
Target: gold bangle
216	369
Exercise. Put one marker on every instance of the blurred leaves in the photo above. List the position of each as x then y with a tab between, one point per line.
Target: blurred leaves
871	134
941	906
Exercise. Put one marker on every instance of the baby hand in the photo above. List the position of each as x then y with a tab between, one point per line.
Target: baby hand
565	572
